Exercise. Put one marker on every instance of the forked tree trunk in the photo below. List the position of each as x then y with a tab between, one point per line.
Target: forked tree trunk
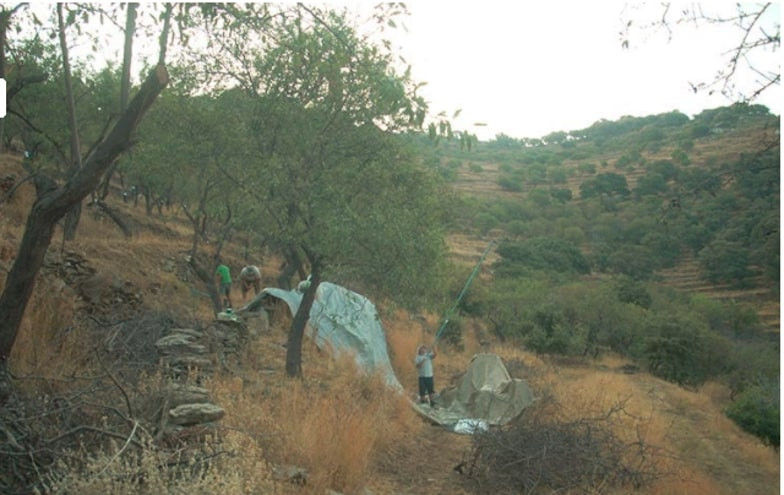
53	202
294	343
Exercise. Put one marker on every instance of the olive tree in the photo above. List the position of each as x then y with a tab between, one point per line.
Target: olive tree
332	174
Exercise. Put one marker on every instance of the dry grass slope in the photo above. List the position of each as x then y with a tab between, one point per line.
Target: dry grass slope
346	429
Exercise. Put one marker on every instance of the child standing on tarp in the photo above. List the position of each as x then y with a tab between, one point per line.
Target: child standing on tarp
424	364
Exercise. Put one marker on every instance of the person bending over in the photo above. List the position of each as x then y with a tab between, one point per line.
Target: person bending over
250	276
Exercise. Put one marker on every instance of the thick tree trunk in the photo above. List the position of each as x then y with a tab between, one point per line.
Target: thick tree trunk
21	279
147	201
294	343
292	264
206	276
51	205
72	221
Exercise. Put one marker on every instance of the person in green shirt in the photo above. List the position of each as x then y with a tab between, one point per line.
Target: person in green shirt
223	278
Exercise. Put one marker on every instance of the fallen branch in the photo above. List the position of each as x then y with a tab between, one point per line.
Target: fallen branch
119	453
83	428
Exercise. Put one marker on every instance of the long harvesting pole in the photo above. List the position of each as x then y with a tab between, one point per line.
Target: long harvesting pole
462	292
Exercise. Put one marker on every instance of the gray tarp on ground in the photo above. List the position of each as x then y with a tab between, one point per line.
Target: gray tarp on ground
485	392
346	321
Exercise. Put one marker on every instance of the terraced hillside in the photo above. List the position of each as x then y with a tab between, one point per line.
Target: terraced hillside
686	276
480	175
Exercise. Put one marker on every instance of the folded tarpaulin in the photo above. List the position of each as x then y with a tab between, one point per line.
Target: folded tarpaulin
485	392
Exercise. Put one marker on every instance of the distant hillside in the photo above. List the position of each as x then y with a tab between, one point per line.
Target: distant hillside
697	198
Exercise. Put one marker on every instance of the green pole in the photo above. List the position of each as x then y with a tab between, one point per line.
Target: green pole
462	293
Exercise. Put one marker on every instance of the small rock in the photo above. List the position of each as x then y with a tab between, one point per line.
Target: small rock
194	414
292	474
196	334
179	343
186	394
169	265
186	362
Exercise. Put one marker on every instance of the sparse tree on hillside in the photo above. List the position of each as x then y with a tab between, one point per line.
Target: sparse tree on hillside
202	137
335	183
53	201
20	80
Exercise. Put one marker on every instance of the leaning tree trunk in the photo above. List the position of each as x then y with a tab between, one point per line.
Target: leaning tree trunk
53	202
294	343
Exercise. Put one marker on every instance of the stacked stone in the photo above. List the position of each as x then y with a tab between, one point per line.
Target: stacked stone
225	338
185	359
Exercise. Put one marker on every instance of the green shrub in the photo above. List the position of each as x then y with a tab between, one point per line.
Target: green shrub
665	168
730	319
542	253
633	292
574	235
700	130
750	363
536	174
559	339
605	322
557	175
604	184
650	184
453	332
509	304
448	173
518	228
539	197
686	144
562	195
632	260
756	410
725	261
680	157
510	183
475	167
679	349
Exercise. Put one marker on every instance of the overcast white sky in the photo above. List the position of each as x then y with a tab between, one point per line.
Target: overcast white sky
530	68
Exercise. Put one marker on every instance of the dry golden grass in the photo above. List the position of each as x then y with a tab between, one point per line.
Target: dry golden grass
48	344
13	213
336	422
238	467
702	450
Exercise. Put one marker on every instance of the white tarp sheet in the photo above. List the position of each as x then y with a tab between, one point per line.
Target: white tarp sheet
345	321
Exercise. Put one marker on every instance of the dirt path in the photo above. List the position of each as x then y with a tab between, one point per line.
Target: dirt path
425	466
